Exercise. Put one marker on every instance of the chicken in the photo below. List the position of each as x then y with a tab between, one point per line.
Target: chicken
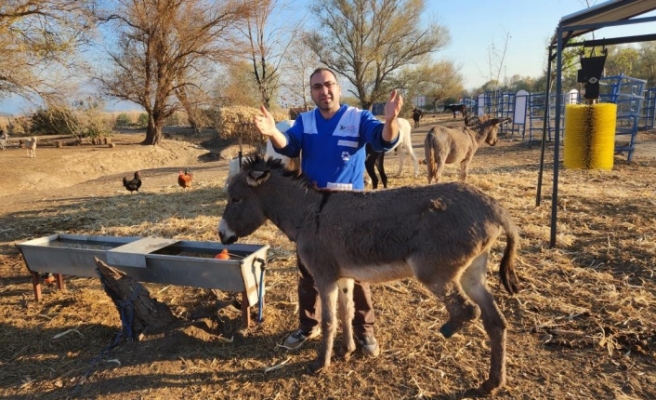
184	179
48	278
134	184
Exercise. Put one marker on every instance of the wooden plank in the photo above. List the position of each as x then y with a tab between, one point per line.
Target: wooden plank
134	254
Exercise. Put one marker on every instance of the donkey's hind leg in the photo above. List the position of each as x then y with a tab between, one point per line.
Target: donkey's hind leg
401	151
346	311
328	293
446	286
474	284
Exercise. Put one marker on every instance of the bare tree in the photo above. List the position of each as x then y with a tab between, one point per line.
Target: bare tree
368	40
268	46
164	48
296	80
38	42
496	59
438	80
237	86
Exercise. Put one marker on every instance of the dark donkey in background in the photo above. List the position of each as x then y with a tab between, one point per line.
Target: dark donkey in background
440	234
456	108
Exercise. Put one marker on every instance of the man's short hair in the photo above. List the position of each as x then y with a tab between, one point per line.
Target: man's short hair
323	69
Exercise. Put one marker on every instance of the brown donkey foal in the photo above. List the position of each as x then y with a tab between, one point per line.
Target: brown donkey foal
440	234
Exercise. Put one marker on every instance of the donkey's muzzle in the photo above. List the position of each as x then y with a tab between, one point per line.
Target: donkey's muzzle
227	238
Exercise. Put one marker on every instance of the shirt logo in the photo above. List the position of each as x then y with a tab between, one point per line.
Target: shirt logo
346	156
347	128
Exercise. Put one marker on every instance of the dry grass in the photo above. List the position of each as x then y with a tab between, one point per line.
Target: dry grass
583	326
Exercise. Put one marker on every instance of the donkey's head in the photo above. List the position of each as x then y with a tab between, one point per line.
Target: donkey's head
244	212
488	128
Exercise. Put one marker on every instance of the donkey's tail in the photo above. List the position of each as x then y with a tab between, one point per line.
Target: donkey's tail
429	150
507	268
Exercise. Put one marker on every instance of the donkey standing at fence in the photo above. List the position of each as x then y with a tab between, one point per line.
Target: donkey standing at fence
440	234
451	145
456	108
416	116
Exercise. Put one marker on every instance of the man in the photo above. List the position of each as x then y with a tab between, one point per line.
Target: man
332	141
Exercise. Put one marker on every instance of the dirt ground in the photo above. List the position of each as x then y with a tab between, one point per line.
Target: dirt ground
583	326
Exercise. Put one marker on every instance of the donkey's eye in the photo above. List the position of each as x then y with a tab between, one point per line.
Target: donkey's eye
235	200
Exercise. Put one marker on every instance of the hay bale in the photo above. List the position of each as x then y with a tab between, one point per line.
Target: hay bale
237	122
232	151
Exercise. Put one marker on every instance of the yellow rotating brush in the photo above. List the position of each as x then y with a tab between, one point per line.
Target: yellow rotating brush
589	138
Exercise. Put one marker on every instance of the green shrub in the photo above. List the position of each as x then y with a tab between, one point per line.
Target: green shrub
173	120
58	120
142	121
122	121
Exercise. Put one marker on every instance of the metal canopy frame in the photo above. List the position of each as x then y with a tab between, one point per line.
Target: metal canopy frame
610	13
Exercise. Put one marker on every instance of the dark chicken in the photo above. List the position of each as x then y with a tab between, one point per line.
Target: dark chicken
134	184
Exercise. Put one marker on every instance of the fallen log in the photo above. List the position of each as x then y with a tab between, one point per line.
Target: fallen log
138	311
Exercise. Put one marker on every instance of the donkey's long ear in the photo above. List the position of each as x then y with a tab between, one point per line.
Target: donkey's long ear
255	178
497	121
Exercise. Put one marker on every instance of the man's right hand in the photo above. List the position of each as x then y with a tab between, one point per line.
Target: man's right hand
265	123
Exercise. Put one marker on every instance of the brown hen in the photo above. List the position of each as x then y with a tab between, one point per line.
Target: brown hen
184	179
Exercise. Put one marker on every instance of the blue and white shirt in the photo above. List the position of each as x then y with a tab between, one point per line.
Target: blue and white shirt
334	149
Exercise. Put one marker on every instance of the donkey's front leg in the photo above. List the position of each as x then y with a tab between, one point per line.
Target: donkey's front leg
328	295
464	168
347	312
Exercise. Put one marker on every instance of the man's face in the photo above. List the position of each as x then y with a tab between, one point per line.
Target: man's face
325	91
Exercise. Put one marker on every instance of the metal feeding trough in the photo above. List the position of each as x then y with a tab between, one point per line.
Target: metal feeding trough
156	260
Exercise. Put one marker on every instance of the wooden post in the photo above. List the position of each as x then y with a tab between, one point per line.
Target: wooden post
36	283
245	310
137	310
60	281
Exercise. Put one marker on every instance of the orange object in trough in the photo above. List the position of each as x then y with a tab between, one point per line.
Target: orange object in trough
223	255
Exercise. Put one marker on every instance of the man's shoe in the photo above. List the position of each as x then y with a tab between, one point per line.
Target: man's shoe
297	338
369	345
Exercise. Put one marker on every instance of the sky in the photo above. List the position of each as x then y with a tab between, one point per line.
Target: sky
477	26
481	24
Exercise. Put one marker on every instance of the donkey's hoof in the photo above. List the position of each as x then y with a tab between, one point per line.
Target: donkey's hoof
490	386
315	368
474	394
344	352
450	328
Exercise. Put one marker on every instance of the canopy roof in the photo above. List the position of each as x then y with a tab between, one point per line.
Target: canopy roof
601	15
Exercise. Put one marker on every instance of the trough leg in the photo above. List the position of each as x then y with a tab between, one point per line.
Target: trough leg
245	310
36	284
60	281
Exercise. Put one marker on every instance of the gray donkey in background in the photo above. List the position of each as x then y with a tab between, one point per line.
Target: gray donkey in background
440	234
450	145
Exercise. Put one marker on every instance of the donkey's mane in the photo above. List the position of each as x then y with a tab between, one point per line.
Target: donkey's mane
258	163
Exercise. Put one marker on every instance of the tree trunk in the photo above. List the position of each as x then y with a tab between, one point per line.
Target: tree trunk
137	310
153	132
